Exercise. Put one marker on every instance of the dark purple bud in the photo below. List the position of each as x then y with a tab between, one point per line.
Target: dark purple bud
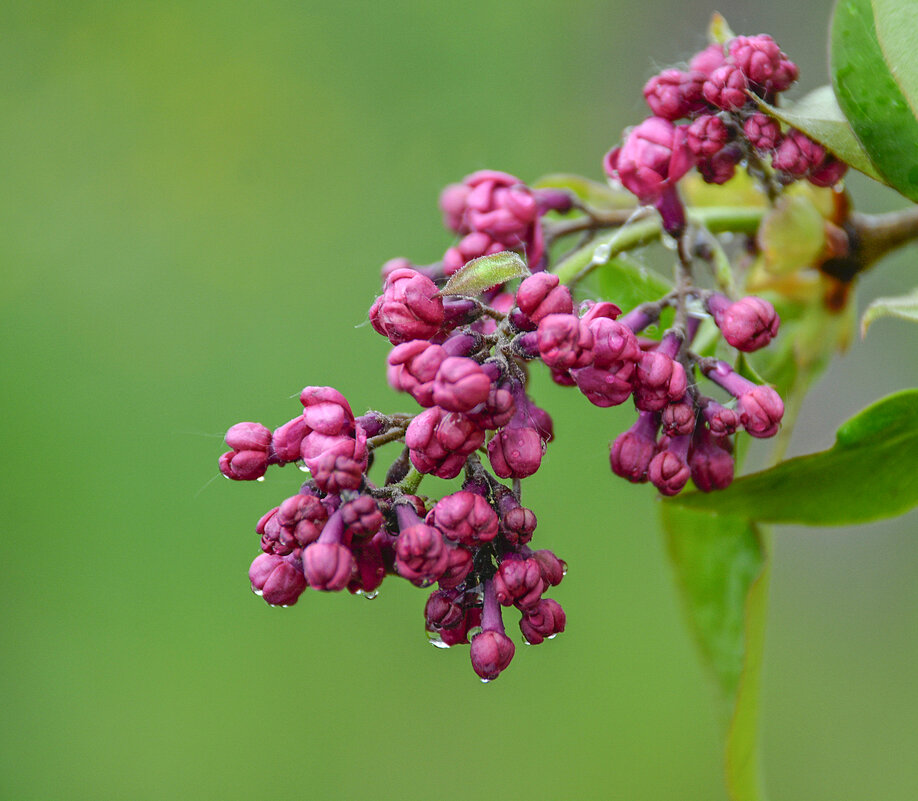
726	88
460	384
760	410
673	94
679	417
762	131
409	307
543	621
542	294
559	200
706	135
798	155
439	442
328	566
564	343
668	470
632	450
562	378
519	581
515	452
465	517
459	634
370	567
748	324
538	418
421	556
443	610
830	173
361	517
708	59
276	580
721	167
710	461
653	157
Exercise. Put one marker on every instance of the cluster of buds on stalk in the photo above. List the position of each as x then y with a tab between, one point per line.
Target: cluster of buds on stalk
464	356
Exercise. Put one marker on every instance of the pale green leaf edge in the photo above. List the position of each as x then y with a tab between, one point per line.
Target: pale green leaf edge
903	307
485	272
896	23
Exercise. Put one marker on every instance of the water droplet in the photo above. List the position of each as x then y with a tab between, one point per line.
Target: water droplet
260	478
486	681
435	640
370	596
552	636
259	593
303	467
563	567
473	632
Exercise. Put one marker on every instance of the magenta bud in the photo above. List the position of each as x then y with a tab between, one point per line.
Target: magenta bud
516	521
328	566
496	411
748	324
371	566
830	173
784	76
543	621
679	417
465	517
249	437
515	452
797	154
721	420
334	472
460	384
710	462
491	653
760	410
564	343
243	465
519	582
673	94
412	368
409	307
421	556
361	517
276	580
633	449
302	517
471	246
613	342
762	131
439	442
706	135
552	568
758	57
659	380
668	470
726	88
708	59
653	157
288	439
542	294
606	387
459	565
721	167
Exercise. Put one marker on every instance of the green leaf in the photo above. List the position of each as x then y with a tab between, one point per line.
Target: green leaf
818	115
871	99
870	473
905	307
897	33
627	283
792	235
721	571
718	30
485	272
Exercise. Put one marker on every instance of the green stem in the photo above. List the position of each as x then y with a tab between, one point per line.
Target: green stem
603	249
410	483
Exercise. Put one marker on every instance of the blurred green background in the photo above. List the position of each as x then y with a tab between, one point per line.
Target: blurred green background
196	198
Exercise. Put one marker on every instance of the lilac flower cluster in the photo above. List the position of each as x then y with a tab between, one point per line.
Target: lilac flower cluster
717	96
465	359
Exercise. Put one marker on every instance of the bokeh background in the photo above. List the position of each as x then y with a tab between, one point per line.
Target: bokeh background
196	198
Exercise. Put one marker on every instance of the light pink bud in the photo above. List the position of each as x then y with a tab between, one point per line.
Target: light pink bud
465	517
760	410
726	88
673	94
276	580
460	384
328	566
409	307
542	294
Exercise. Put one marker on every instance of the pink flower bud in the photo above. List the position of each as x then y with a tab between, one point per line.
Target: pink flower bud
673	94
613	342
543	621
248	437
748	324
784	76
302	517
721	420
465	517
276	580
608	386
370	566
797	154
760	410
491	653
706	135
459	565
563	342
460	384
762	131
328	566
515	451
334	472
443	610
552	568
659	380
519	582
517	523
439	442
710	462
679	417
726	88
287	439
361	517
409	307
542	294
632	450
248	458
653	157
708	59
421	556
758	57
412	368
668	470
829	173
471	246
